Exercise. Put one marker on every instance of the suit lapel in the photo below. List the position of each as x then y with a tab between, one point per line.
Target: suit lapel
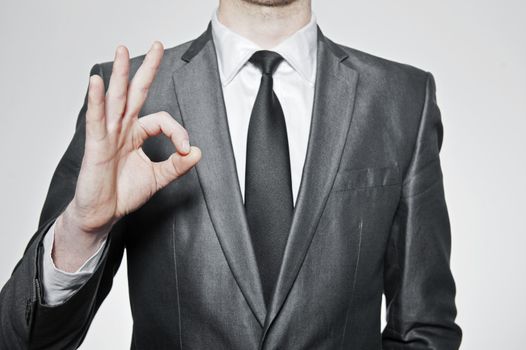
199	94
332	113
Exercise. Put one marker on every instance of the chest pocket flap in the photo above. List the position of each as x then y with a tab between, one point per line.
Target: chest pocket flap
347	179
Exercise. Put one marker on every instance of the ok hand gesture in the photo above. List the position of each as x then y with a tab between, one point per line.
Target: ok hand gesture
116	176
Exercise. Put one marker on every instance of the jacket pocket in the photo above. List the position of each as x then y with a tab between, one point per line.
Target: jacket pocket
361	178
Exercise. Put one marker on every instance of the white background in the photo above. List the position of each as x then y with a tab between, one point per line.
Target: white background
475	49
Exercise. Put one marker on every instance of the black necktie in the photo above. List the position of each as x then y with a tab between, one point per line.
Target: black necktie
268	186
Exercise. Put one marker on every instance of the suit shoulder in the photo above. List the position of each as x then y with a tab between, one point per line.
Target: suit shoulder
171	60
383	70
394	83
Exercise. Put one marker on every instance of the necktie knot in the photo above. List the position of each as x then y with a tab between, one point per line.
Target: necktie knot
267	61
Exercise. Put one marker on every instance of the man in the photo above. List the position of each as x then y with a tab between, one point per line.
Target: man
314	186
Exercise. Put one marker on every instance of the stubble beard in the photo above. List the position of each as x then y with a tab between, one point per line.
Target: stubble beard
270	3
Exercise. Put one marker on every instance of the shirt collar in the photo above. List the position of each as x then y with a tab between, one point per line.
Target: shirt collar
233	50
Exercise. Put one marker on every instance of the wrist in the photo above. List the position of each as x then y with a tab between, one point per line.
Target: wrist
73	244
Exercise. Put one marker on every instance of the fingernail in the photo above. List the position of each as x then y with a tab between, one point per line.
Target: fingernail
186	146
155	45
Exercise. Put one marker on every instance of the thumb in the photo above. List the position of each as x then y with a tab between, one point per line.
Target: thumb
176	166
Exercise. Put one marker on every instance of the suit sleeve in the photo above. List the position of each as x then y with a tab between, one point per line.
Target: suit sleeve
419	286
57	285
26	321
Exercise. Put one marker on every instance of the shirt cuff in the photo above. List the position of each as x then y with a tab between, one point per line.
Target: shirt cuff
58	285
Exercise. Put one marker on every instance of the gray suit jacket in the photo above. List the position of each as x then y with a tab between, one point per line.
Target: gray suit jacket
370	218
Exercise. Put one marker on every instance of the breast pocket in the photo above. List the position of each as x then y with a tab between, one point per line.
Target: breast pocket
363	178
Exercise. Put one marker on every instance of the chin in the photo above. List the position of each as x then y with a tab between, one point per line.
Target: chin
270	3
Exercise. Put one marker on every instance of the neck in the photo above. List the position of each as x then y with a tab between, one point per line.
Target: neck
265	25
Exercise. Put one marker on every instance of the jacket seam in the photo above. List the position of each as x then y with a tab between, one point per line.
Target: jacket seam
348	321
177	285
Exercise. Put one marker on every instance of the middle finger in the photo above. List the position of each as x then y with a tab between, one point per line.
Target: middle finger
118	87
143	78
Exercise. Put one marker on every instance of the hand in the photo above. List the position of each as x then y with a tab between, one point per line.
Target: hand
116	177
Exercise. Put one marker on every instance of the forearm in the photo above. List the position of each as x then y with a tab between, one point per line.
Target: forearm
19	296
420	286
28	321
72	246
59	285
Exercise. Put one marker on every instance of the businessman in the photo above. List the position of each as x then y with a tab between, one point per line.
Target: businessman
268	186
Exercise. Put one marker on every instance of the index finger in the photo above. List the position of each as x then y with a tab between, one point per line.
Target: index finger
143	78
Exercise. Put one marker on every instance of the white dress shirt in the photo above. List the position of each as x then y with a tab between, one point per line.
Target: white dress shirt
293	84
